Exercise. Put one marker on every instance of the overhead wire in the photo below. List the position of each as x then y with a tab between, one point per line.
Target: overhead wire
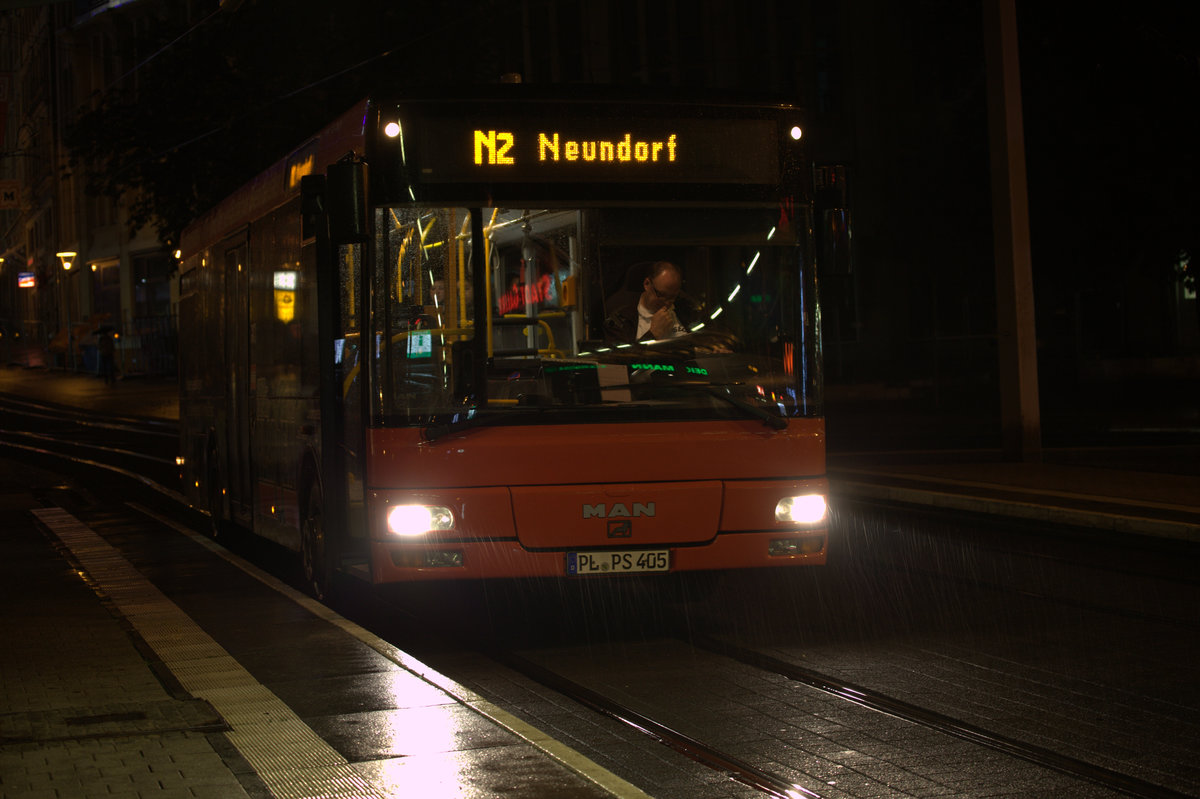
160	51
258	109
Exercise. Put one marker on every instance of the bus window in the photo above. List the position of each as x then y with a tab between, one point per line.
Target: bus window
424	307
567	330
533	259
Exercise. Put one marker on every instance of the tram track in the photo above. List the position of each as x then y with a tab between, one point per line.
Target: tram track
142	448
735	767
772	784
62	413
939	722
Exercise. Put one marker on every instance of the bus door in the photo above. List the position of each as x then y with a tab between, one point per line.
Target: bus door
237	397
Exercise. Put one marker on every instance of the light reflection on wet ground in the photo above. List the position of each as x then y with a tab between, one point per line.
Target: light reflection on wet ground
482	774
1072	644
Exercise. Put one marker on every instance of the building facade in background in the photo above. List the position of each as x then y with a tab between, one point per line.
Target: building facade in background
56	60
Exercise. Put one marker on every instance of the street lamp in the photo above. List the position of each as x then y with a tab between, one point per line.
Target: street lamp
67	257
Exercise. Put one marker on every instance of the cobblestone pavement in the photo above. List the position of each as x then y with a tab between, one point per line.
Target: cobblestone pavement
82	710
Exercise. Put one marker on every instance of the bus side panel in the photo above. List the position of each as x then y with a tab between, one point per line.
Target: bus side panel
202	417
283	325
234	254
225	348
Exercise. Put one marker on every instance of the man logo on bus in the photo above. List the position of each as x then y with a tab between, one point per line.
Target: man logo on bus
620	528
618	511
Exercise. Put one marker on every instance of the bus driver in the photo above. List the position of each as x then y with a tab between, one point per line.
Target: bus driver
652	314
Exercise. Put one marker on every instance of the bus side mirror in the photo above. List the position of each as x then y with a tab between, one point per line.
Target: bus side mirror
346	202
312	203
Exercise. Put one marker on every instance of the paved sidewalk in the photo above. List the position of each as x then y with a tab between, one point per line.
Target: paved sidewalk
83	710
111	688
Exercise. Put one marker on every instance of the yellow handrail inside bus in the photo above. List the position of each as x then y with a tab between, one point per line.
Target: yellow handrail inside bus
438	331
400	265
463	235
487	274
544	325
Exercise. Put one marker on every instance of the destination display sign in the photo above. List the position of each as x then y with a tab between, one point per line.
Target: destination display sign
744	151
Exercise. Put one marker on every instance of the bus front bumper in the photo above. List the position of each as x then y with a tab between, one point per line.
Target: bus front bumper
499	559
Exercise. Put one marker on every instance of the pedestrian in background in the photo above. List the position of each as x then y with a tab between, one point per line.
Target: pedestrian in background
106	348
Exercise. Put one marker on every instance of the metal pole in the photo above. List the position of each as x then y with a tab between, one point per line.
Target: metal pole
67	257
62	293
70	349
1015	327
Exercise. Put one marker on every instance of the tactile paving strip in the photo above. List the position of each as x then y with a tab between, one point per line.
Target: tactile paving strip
548	744
291	759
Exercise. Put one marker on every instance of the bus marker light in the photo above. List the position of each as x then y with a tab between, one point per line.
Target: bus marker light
444	558
428	559
413	520
807	509
781	547
785	547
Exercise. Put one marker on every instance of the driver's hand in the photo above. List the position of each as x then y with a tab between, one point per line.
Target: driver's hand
664	324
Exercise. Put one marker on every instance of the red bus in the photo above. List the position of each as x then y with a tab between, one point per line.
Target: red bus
501	335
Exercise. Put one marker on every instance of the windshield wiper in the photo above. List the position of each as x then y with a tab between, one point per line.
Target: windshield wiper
721	391
751	409
715	390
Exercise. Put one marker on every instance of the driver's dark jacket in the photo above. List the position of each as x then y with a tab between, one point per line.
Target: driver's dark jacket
620	326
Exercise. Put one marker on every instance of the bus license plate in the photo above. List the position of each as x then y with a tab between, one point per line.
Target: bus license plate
619	561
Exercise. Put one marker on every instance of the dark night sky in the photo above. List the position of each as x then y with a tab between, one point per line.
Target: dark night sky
1112	115
1112	121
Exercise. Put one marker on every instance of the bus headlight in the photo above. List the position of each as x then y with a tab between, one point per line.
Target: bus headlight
412	520
808	509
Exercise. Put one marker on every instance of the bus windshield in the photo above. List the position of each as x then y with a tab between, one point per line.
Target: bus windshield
591	314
